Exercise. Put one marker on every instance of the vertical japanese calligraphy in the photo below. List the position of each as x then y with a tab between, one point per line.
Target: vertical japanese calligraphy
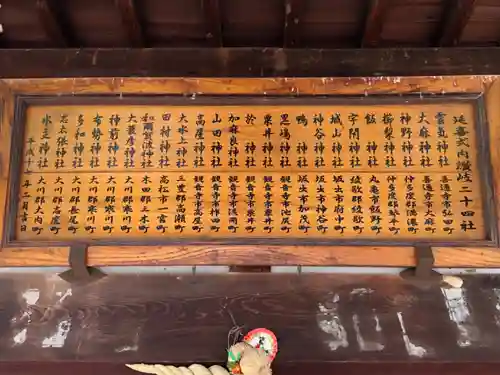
402	171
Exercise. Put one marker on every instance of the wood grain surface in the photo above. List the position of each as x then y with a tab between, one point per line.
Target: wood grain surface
493	116
6	120
317	318
438	85
395	256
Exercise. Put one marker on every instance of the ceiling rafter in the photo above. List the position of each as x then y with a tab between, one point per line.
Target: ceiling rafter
51	23
213	22
291	31
374	22
131	22
456	16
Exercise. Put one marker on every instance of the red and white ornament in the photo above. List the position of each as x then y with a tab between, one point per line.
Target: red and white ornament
264	339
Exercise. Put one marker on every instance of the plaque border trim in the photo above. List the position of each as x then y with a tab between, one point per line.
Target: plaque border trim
22	102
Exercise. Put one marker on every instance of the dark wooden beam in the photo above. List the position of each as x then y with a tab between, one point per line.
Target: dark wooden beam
213	22
374	22
131	23
247	62
185	318
294	9
456	15
51	23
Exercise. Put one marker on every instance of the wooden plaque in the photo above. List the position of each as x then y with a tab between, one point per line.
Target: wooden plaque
152	170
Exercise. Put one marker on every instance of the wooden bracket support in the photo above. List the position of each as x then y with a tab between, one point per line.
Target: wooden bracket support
79	272
423	272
